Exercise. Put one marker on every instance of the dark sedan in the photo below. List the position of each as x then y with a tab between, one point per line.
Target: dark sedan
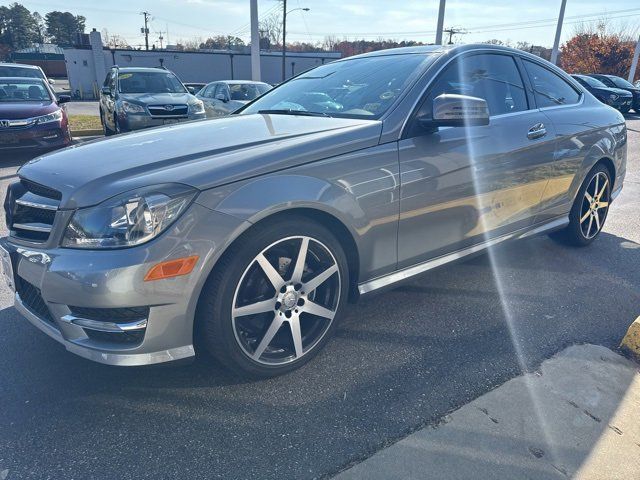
31	116
619	82
614	97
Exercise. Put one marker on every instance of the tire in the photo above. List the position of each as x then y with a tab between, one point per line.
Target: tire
587	218
116	124
248	324
107	131
625	109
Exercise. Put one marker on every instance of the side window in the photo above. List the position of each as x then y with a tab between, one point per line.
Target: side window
492	77
107	79
112	80
549	89
209	91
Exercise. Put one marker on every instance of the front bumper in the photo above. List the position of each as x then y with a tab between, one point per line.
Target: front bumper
129	122
35	137
62	282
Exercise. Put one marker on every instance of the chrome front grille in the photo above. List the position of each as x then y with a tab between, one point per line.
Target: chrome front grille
30	210
169	111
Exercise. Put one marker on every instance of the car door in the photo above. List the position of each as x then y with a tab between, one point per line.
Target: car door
107	102
222	100
208	96
461	186
560	101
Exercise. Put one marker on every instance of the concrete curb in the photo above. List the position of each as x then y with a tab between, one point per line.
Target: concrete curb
87	133
631	342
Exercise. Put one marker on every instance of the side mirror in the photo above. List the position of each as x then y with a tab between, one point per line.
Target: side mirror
452	110
222	97
51	81
64	99
105	91
191	90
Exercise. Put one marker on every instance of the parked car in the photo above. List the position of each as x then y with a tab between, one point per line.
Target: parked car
247	235
194	88
615	97
225	97
31	116
133	98
619	82
23	70
636	84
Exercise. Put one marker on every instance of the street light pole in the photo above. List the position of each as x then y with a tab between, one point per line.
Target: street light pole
634	62
255	42
284	34
556	42
284	38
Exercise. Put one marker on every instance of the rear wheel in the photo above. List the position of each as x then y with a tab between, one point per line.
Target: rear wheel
589	210
275	298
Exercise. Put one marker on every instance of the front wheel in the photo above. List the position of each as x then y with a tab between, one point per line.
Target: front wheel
589	210
105	128
274	299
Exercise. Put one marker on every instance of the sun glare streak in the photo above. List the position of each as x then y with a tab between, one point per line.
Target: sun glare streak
480	191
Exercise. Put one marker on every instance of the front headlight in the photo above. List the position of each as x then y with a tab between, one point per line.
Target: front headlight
196	106
613	97
51	117
132	107
128	219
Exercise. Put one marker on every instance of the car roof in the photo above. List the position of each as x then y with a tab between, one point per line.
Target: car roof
19	65
22	79
243	82
141	69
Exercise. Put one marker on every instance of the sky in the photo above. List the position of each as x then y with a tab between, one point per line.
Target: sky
532	21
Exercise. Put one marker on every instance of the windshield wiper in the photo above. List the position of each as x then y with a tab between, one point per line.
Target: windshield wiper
294	112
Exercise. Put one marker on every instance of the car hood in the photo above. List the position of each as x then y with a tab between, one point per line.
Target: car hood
619	91
156	98
20	110
202	154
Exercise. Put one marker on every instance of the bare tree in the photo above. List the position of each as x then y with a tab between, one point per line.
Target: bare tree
271	30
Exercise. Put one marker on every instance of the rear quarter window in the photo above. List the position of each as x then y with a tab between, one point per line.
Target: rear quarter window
549	89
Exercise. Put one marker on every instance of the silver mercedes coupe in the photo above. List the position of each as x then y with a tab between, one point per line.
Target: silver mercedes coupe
246	236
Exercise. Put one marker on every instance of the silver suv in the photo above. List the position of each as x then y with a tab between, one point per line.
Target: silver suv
136	98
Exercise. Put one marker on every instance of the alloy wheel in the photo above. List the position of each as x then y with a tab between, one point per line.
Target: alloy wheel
286	300
595	205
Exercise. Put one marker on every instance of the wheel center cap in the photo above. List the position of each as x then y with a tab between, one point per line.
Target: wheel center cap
289	299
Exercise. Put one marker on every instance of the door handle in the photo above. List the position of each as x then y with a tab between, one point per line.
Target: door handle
537	131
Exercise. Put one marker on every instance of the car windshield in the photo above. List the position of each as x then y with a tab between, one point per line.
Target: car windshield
592	82
358	88
149	82
23	90
247	91
6	71
621	82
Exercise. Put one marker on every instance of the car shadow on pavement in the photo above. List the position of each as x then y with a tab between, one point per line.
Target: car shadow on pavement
400	360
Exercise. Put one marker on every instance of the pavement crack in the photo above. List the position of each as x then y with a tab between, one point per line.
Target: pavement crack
591	415
486	412
615	429
536	452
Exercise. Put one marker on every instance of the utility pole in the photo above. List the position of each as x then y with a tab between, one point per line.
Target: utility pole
255	42
556	42
452	32
440	23
634	63
145	30
160	37
284	38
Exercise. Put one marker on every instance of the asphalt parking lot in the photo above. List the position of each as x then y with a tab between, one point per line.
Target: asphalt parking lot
401	360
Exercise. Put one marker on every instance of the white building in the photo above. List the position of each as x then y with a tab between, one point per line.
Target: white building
87	66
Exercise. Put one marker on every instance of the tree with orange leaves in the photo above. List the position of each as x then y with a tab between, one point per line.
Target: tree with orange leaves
598	52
